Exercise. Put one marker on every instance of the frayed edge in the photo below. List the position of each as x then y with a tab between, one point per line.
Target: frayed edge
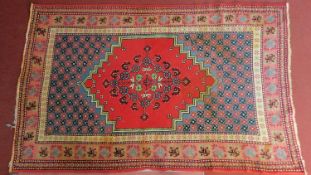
13	124
10	125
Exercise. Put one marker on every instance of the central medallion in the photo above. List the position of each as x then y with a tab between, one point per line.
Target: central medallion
145	83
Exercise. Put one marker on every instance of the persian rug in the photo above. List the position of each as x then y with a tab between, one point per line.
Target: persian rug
108	88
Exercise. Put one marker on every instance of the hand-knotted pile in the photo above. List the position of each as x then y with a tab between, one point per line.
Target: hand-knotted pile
202	87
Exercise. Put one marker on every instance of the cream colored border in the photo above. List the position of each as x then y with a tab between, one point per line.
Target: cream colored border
263	133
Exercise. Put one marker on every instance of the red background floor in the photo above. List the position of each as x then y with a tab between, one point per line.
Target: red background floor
13	25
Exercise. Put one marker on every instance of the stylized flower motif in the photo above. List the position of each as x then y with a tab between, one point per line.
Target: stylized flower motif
104	152
218	152
133	151
216	18
28	152
92	20
270	44
55	152
275	119
249	152
243	19
270	19
272	88
189	151
160	152
164	19
281	154
270	72
44	19
80	152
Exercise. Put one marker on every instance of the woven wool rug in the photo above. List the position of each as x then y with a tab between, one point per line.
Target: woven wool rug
109	88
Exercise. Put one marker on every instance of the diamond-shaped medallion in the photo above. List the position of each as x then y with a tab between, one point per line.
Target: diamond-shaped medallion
145	83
